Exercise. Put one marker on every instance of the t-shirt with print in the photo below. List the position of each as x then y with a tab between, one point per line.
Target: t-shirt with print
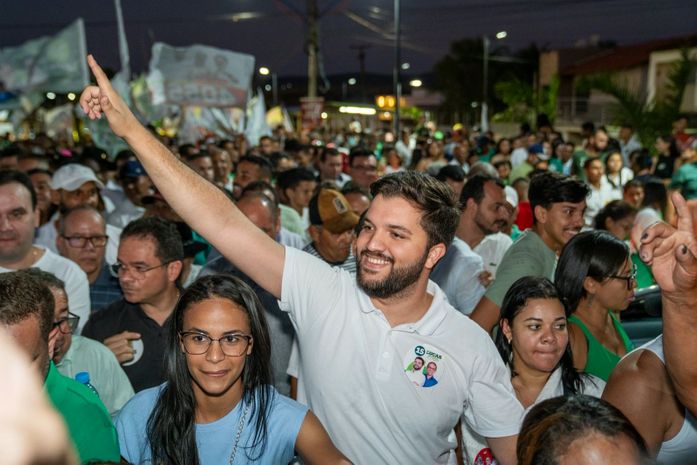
353	369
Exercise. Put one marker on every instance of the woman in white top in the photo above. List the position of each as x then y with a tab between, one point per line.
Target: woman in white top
534	342
616	173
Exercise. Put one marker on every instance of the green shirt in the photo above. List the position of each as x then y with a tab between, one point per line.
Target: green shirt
528	256
601	361
521	171
644	276
291	220
88	422
685	180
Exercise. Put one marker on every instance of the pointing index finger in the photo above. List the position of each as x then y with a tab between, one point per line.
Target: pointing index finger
683	212
102	80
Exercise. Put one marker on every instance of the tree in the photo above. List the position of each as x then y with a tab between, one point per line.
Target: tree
650	119
459	75
524	103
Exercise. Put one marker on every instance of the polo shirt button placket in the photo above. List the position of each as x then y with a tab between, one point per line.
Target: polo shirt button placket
384	364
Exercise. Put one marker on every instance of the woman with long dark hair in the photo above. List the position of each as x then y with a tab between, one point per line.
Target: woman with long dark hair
596	278
534	343
668	155
217	405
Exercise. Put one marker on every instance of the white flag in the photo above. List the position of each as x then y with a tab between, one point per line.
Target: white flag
199	76
51	63
256	119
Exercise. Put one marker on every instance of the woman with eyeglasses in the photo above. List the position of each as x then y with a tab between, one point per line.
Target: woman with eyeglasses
596	278
217	405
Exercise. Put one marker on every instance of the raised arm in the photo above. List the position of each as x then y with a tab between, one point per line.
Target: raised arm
672	254
201	204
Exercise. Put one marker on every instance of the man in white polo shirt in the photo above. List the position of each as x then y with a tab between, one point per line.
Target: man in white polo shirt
358	334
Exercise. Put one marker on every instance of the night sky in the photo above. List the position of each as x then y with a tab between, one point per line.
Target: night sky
274	31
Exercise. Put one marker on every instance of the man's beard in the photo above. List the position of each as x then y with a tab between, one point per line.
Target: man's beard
399	278
492	228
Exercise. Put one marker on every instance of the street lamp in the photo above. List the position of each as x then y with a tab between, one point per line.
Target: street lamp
485	79
264	71
415	83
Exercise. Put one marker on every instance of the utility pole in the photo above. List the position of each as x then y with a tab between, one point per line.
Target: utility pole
312	48
361	62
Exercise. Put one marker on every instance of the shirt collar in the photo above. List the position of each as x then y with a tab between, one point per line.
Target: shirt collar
428	323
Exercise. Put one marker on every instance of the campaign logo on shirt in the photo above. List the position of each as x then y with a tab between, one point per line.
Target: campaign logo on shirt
485	457
424	366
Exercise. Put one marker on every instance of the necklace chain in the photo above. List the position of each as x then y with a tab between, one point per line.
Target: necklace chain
240	427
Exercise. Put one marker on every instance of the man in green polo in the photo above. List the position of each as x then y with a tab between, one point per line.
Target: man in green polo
26	311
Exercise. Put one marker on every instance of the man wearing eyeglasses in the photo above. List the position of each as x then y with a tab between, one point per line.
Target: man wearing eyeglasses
136	327
73	354
73	185
83	239
26	312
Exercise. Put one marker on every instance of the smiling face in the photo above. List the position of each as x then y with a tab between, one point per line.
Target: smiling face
561	221
431	369
391	249
538	335
213	373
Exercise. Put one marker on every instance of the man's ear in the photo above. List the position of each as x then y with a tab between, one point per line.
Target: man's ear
174	269
52	337
314	232
434	254
540	214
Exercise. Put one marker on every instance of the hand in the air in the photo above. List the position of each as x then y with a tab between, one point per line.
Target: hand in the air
672	253
103	99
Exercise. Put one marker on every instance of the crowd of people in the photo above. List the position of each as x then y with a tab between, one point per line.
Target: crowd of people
435	297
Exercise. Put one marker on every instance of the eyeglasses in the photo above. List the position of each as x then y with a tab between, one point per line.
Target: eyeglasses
232	345
79	242
138	271
67	325
630	278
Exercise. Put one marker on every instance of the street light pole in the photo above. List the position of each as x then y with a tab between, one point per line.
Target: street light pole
485	87
312	48
274	88
397	67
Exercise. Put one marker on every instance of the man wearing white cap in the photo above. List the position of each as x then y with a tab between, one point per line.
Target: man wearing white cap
73	185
